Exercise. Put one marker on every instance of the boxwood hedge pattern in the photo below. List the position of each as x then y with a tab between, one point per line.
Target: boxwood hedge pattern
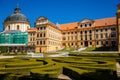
78	67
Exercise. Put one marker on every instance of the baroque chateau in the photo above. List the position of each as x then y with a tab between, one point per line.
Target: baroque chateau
46	36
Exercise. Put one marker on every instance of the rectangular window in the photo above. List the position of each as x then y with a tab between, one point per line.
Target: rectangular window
44	34
106	35
97	43
37	35
40	42
85	37
30	39
113	35
44	27
40	34
75	37
90	43
96	36
90	37
68	38
113	29
101	30
81	37
44	42
40	28
37	42
101	35
71	37
81	43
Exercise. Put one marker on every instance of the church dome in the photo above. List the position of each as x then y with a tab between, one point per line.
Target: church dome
17	16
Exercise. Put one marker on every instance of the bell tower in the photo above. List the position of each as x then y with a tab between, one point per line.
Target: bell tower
118	27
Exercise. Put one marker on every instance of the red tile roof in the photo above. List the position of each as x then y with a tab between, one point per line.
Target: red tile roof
68	26
32	30
53	25
105	22
98	23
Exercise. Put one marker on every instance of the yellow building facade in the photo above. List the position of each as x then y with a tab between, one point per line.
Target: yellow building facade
31	39
85	33
90	33
48	37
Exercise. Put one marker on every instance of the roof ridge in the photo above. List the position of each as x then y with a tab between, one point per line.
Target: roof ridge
104	18
69	23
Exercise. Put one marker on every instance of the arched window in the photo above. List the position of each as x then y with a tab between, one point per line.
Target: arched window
81	25
85	25
37	42
81	32
40	34
90	31
8	27
44	34
17	27
90	24
44	42
85	32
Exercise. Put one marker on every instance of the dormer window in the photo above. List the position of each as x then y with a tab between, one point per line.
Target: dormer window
106	29
96	30
90	24
8	27
81	25
101	30
86	22
85	25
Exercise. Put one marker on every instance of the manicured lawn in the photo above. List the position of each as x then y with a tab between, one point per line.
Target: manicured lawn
78	66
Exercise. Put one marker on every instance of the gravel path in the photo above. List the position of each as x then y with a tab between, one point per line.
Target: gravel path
2	57
64	77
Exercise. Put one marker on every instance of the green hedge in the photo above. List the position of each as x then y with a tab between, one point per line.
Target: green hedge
80	68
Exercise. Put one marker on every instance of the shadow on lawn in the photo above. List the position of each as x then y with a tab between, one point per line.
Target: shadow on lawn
99	74
105	48
31	77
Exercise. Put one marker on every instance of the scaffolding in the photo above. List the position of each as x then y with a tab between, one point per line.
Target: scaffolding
14	37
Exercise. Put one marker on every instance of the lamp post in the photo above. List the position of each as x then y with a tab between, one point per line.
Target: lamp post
76	29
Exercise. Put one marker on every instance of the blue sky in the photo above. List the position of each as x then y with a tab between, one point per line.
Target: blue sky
61	11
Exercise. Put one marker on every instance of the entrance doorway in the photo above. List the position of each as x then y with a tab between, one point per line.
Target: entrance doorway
86	43
114	43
